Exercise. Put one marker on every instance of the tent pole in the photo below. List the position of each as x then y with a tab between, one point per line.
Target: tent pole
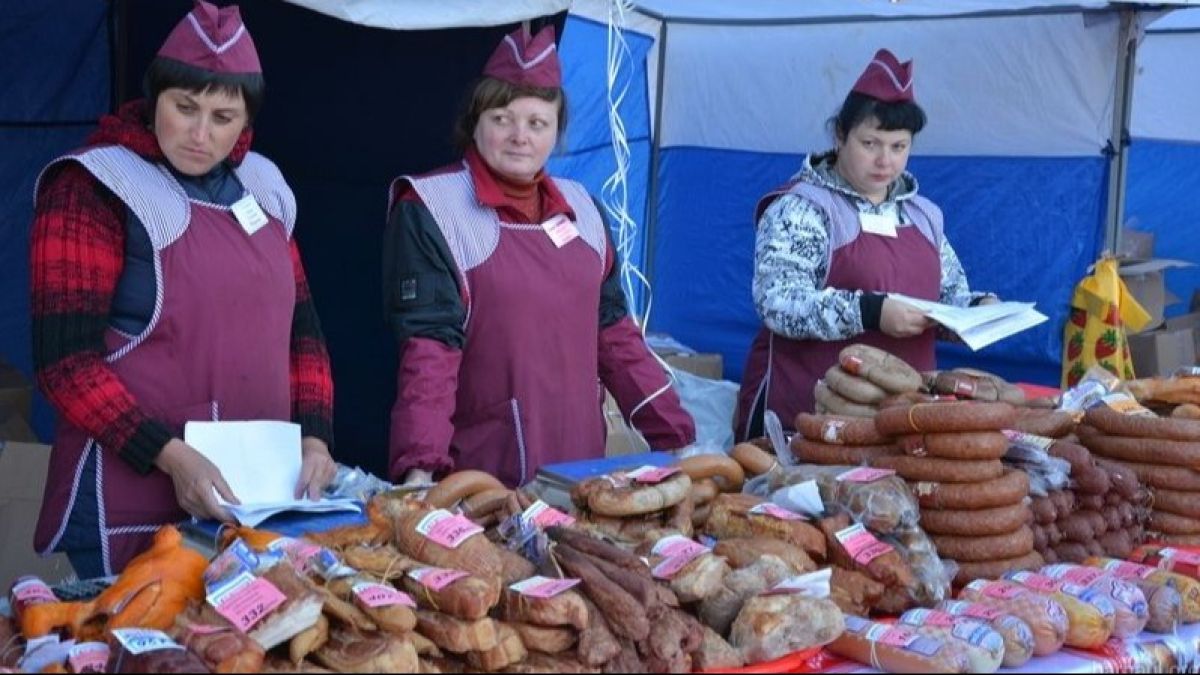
118	52
655	159
1122	107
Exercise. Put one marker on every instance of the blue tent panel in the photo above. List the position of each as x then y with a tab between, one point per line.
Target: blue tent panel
1024	248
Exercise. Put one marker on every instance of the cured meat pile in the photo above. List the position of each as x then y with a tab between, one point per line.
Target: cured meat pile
1165	455
864	378
974	508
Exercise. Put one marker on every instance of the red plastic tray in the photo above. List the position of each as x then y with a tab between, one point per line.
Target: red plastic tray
792	663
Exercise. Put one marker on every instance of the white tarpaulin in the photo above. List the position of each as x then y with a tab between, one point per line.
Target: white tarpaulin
1167	89
425	15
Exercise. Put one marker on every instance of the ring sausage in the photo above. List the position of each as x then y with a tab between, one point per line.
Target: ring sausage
874	644
1180	503
485	503
458	486
1115	423
705	490
1169	523
1008	489
854	388
1048	423
940	470
1157	450
880	367
945	417
839	430
967	445
635	500
729	473
1166	477
838	404
753	459
999	520
983	549
994	569
808	452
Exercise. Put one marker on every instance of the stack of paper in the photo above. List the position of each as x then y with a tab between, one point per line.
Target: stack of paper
261	462
981	325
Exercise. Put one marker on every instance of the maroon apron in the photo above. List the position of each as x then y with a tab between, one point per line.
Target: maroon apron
785	371
217	346
528	392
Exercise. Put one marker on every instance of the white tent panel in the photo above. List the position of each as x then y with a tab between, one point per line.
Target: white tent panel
425	15
840	10
1040	85
1167	93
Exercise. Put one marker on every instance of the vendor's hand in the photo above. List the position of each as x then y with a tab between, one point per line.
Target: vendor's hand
901	320
195	478
317	469
417	477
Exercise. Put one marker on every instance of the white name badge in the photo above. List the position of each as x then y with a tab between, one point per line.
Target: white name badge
561	230
249	214
881	224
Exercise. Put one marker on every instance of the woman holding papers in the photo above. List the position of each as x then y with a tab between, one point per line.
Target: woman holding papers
167	288
501	284
847	230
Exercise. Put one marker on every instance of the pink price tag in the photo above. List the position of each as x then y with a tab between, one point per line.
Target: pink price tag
542	515
891	635
543	587
1180	557
1028	440
928	617
1084	576
447	529
861	544
678	551
975	610
89	657
775	511
1128	570
378	595
1038	582
246	603
998	591
32	591
650	475
865	475
436	578
561	230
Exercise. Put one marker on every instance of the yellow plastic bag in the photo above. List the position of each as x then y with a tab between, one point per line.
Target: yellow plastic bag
1095	334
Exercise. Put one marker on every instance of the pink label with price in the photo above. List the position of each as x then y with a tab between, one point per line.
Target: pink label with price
1128	570
891	635
650	475
1038	582
927	617
1084	576
88	657
861	544
865	475
447	529
543	587
678	551
378	595
32	591
542	515
1180	557
774	511
436	578
998	591
246	600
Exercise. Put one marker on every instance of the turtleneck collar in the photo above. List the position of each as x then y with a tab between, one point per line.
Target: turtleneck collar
516	202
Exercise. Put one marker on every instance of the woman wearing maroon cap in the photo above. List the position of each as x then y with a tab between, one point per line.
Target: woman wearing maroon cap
500	284
167	288
847	230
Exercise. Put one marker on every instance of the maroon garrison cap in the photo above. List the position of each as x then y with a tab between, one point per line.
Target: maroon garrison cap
886	79
526	61
213	39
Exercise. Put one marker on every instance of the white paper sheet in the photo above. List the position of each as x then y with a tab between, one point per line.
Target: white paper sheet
981	325
261	462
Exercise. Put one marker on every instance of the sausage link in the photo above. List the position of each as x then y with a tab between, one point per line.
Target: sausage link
982	549
810	452
836	403
839	430
1115	423
941	470
967	445
945	416
1146	449
1177	502
994	569
999	520
854	388
1008	489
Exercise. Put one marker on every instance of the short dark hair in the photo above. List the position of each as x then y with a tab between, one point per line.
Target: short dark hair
857	108
164	73
489	93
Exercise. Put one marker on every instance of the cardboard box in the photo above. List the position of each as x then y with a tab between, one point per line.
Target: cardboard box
22	479
620	439
1136	244
1189	322
1162	352
703	365
1145	282
16	393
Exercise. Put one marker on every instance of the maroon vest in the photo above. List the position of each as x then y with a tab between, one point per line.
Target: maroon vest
217	346
528	392
785	371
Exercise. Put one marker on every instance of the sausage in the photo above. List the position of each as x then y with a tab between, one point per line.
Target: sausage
1017	635
1169	523
888	371
810	452
1064	501
1076	455
994	569
1043	509
1093	481
967	445
729	473
853	388
1124	480
875	644
1166	477
1092	616
1156	450
907	399
1044	615
1048	423
1132	612
839	404
485	503
1077	527
609	500
983	645
1041	542
1053	534
1187	411
938	470
1178	502
998	520
839	430
1008	489
1143	575
1191	540
705	490
458	486
753	459
945	417
982	549
1114	423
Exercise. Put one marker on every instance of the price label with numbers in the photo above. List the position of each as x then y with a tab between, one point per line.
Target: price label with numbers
861	544
379	595
447	529
542	515
143	640
865	475
246	600
543	587
650	475
775	511
435	578
88	657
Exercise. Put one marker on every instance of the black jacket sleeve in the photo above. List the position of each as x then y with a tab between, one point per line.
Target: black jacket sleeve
613	305
421	294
